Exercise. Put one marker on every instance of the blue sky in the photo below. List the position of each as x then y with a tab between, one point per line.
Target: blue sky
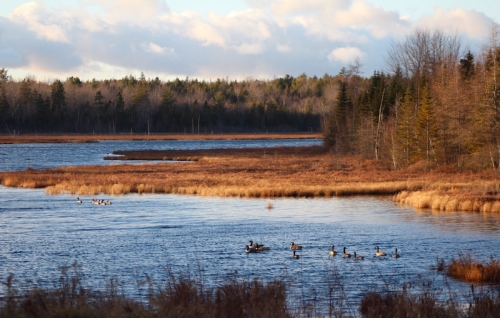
238	39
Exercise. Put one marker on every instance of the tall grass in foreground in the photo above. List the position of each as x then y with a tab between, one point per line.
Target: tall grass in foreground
182	296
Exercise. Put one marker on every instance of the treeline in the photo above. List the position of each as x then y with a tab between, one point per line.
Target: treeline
141	105
439	106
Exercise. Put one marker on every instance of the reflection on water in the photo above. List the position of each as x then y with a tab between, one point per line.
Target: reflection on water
148	234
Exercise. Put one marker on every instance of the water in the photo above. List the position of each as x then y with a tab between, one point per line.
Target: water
141	235
38	156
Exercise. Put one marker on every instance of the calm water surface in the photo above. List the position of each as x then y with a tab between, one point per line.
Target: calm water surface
141	235
19	157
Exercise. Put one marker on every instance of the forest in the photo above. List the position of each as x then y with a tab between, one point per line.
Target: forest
437	102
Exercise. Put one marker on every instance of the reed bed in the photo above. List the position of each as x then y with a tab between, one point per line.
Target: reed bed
467	269
270	173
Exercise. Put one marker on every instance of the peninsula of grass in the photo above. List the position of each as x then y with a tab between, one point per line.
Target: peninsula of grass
86	138
467	269
269	173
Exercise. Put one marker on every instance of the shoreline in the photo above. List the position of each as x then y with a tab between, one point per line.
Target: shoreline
89	138
270	173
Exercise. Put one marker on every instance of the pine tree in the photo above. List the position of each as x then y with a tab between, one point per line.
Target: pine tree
337	130
426	126
405	133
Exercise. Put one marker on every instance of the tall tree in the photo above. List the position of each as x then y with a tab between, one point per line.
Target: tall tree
426	125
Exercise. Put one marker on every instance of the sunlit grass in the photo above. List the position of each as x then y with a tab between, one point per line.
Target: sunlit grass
270	173
467	269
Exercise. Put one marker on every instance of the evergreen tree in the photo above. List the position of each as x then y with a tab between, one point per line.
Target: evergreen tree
426	125
405	134
4	106
337	129
58	99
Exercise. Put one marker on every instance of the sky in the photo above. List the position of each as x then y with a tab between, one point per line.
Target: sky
233	39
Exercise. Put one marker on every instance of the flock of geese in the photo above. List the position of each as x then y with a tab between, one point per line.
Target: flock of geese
95	202
255	248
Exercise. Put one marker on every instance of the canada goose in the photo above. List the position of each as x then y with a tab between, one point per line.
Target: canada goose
359	257
379	253
346	255
395	255
252	245
108	202
296	256
78	200
262	248
250	249
332	251
295	247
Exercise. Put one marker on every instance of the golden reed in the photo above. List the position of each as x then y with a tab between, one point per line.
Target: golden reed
269	173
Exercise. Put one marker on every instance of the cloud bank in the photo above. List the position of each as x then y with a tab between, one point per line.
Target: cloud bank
113	38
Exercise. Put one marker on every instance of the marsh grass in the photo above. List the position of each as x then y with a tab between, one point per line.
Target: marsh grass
270	173
182	296
179	297
467	269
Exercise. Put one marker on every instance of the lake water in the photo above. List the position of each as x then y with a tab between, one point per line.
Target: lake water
141	235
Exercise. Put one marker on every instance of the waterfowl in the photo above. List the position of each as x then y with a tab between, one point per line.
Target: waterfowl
250	249
332	251
346	255
295	247
262	248
359	257
296	256
256	245
379	253
395	255
78	201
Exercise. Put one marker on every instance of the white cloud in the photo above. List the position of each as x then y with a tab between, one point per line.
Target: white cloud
31	13
471	23
157	49
111	36
345	54
282	48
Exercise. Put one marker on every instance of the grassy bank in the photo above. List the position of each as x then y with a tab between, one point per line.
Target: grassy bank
270	173
77	138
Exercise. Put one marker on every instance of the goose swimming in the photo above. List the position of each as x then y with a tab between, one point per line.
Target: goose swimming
296	256
346	255
295	247
395	255
332	251
359	257
379	253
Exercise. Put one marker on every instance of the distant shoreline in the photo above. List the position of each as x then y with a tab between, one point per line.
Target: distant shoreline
89	138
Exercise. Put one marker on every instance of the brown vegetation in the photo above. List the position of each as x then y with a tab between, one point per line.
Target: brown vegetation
180	297
83	138
269	173
467	269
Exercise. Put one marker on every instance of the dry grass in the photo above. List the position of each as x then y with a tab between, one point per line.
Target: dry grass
467	269
270	173
24	139
180	297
